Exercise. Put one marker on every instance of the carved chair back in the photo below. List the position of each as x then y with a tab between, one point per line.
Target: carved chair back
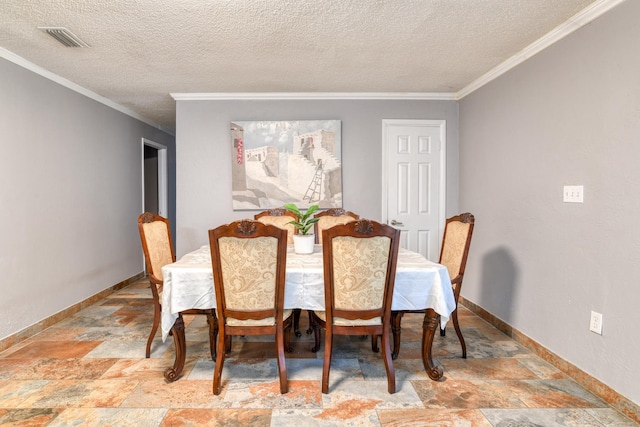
330	218
279	217
455	248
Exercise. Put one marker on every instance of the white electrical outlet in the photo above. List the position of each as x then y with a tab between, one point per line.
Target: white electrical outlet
596	323
573	194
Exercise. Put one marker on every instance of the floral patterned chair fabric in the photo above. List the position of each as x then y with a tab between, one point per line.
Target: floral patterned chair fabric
454	246
249	275
359	276
160	249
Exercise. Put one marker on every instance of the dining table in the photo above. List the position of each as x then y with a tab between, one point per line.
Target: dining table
420	284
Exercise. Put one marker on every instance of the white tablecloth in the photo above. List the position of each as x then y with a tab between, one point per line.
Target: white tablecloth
420	284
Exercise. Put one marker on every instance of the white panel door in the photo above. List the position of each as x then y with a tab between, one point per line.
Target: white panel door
414	183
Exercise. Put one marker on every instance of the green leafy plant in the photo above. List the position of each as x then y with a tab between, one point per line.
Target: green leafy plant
305	221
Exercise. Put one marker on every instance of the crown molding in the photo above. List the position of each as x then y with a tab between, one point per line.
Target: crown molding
577	21
18	60
297	96
582	18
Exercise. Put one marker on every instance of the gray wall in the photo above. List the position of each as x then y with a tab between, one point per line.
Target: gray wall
70	195
568	116
204	154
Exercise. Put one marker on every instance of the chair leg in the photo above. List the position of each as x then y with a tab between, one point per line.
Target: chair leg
456	326
282	367
287	338
396	319
217	371
154	328
326	366
374	343
388	362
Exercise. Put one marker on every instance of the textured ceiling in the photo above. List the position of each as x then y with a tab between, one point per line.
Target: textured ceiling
144	50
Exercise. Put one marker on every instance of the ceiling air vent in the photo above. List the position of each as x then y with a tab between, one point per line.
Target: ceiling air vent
64	36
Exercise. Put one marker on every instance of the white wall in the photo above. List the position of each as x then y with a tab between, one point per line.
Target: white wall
70	195
568	116
204	154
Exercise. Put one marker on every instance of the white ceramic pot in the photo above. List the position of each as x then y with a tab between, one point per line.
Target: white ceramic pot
303	243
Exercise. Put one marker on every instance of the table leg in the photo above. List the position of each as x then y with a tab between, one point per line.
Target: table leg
396	319
173	373
428	331
296	322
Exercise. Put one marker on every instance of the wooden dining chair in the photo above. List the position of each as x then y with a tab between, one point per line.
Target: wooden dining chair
157	245
329	218
249	264
359	272
281	218
453	255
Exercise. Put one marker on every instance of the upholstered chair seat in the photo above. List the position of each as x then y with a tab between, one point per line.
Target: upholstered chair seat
269	321
322	315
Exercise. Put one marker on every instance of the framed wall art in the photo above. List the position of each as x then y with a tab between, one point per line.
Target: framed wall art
279	162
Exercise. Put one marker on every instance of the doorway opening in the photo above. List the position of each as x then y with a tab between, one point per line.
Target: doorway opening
154	178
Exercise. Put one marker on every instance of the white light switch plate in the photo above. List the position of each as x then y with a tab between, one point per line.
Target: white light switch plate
573	194
596	323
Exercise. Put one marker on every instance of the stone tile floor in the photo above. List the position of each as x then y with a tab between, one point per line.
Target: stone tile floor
89	369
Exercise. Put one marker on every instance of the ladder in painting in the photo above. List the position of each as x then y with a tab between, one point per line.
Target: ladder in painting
314	187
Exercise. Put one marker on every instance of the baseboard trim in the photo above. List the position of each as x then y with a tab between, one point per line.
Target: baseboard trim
592	384
40	326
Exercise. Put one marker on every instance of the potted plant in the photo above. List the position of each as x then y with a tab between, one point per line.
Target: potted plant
303	240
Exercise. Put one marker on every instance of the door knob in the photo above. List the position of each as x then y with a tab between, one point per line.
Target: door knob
394	222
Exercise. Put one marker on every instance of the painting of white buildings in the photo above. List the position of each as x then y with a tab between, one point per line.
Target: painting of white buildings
279	162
